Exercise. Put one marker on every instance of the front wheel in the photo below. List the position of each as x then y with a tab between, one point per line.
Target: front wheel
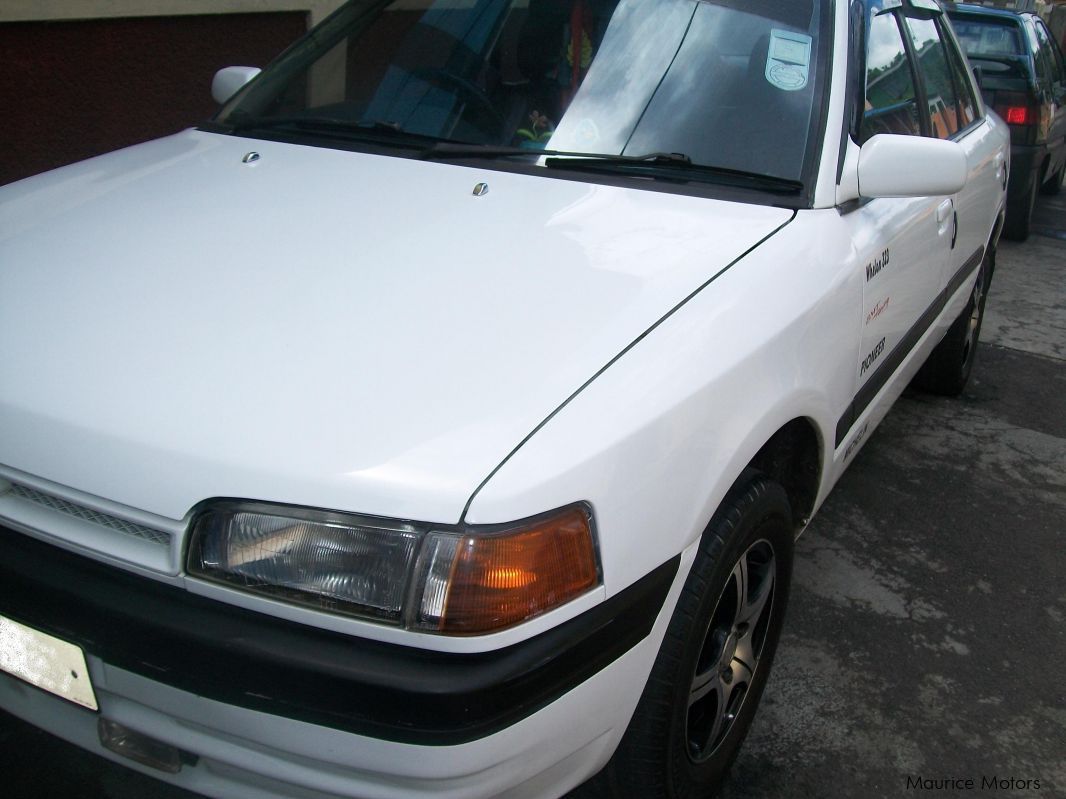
715	659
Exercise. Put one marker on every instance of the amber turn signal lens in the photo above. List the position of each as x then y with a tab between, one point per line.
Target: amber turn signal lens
498	580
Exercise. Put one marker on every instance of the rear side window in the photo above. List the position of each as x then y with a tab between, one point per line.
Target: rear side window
1050	52
968	107
940	90
1041	62
891	101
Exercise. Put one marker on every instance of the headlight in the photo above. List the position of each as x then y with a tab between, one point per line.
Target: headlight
331	561
466	581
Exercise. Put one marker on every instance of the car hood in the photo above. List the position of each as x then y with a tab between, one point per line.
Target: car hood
318	327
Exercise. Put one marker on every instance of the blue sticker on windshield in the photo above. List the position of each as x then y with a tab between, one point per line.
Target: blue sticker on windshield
788	60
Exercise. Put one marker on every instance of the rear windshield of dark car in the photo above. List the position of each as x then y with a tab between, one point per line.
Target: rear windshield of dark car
990	37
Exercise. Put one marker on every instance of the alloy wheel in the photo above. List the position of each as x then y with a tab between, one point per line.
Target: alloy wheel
731	650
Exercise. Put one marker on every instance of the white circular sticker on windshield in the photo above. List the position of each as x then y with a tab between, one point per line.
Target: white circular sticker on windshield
787	77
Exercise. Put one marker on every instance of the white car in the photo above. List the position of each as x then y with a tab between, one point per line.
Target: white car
437	421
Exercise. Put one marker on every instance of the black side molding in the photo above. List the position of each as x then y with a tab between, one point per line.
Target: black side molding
259	662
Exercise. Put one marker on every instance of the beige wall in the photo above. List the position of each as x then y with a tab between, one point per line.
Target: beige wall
48	10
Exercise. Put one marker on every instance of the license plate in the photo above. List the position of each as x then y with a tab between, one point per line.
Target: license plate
49	663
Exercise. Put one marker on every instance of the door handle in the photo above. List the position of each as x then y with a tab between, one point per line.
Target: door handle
1000	162
943	211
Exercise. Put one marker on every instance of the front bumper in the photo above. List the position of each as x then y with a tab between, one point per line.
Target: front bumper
256	698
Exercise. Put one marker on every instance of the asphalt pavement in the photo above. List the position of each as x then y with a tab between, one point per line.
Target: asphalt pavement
926	637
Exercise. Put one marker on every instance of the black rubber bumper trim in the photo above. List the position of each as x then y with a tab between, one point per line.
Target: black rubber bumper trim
259	662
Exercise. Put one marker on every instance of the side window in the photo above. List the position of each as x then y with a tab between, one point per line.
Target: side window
1040	58
936	75
964	83
1048	44
891	102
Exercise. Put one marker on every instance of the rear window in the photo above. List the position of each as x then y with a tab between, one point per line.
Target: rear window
989	37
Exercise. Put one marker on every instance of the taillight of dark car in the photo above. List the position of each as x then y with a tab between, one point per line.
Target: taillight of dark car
1024	116
1017	108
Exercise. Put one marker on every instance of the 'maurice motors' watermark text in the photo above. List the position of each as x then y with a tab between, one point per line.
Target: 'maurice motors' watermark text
988	782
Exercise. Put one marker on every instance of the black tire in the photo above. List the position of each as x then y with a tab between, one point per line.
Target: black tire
1053	185
1020	215
947	370
680	743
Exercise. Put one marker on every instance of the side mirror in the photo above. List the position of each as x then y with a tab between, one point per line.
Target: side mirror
910	166
229	80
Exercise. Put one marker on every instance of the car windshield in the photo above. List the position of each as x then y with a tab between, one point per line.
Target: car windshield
728	84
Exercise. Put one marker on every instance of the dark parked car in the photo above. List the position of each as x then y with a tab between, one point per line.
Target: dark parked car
1022	75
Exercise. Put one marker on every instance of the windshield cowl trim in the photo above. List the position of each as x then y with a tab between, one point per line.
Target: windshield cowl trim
689	188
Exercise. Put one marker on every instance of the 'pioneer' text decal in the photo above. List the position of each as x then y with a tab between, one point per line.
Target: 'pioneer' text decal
870	359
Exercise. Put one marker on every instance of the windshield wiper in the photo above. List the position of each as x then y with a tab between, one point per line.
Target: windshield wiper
676	166
672	166
357	130
448	149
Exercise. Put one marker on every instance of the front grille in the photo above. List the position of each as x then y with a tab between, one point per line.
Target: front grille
89	515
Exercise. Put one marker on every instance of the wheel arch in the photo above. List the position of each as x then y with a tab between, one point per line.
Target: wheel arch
793	457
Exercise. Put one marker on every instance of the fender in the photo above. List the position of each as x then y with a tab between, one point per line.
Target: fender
667	428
